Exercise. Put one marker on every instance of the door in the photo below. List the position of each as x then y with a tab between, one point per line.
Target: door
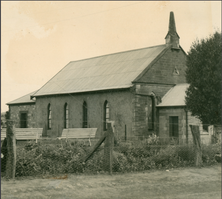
23	120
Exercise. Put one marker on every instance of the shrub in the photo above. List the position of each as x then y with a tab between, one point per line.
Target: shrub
186	153
53	159
166	157
34	159
209	152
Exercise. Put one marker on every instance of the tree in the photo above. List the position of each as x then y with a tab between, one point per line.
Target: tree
203	97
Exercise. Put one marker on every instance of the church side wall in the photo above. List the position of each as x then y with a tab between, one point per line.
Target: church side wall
120	105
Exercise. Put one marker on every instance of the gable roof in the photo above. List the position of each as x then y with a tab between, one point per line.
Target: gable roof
113	71
23	100
175	96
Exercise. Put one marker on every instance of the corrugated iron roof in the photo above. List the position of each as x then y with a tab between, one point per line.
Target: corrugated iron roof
111	71
23	100
175	96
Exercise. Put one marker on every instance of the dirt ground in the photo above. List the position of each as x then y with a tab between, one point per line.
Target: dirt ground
183	183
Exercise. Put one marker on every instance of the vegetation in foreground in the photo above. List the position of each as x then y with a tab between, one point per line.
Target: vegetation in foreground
41	159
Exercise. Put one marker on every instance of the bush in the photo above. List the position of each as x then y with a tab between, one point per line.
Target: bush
209	152
53	159
186	153
34	159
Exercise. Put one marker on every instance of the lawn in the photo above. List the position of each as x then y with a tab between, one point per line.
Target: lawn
182	183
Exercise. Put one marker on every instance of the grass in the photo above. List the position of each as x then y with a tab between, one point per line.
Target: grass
180	183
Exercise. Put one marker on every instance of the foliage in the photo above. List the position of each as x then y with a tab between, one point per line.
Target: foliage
42	159
209	152
53	159
204	76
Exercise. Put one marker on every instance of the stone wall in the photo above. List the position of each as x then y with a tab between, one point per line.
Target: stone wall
15	111
140	123
162	70
163	114
159	78
120	104
142	106
185	120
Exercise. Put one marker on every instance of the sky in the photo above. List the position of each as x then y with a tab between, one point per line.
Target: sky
38	38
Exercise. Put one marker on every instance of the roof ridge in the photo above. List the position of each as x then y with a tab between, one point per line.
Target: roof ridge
129	64
117	53
145	58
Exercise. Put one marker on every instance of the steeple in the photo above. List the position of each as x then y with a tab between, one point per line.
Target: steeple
172	38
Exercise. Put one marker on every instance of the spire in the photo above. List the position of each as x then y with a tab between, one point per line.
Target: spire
172	38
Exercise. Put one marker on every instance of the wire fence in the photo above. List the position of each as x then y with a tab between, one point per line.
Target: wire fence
110	152
166	131
59	158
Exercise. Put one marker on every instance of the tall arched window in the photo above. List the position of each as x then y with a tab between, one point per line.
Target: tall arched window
151	109
84	125
66	116
106	115
49	117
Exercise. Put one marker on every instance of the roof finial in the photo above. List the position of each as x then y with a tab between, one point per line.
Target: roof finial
172	38
172	25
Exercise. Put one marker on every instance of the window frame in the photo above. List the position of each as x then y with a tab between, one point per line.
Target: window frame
49	116
85	115
66	116
105	118
151	122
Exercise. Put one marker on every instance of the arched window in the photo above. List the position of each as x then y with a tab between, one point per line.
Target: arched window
106	115
151	109
84	125
49	117
66	116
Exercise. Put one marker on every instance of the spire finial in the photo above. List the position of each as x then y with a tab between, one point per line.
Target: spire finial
172	25
172	38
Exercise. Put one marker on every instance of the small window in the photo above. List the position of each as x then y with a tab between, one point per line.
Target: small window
84	115
106	115
66	116
49	117
174	127
23	120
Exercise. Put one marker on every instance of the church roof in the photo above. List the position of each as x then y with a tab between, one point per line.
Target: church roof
175	96
113	71
23	100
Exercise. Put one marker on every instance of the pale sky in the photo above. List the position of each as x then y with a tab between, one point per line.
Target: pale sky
38	38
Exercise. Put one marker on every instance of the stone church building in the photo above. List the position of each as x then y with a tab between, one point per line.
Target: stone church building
124	87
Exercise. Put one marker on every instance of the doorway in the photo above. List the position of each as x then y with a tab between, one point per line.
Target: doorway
174	127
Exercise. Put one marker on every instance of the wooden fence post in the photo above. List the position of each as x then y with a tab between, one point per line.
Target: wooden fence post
196	139
11	148
108	147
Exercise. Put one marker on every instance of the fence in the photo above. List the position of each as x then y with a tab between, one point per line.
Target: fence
109	154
